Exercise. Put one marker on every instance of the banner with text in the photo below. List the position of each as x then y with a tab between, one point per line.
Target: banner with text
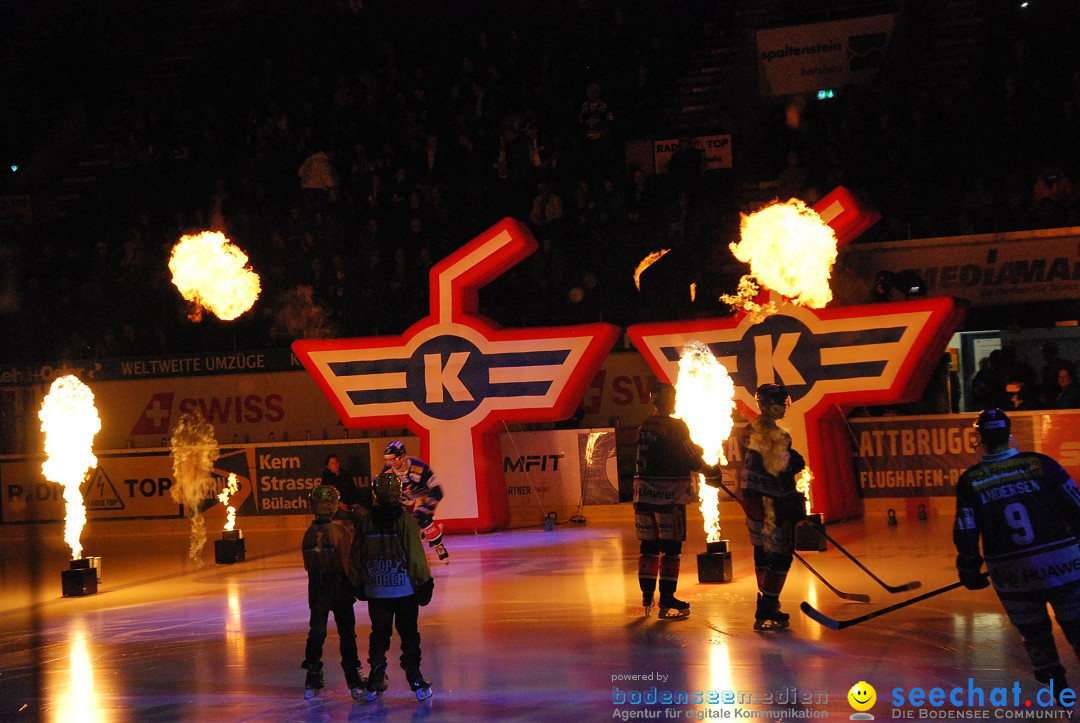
716	149
559	468
817	56
272	479
985	269
266	407
925	456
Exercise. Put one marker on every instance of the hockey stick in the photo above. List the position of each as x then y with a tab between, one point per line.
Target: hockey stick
834	624
913	585
855	596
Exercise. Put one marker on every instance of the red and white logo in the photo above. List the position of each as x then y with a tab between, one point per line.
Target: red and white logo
454	377
155	418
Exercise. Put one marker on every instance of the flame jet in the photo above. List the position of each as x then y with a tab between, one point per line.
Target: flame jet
194	449
230	489
70	421
705	400
212	274
791	250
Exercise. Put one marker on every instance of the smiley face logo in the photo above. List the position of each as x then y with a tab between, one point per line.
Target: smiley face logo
862	696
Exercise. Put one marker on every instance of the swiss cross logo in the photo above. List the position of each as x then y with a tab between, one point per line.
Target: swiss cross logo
830	360
454	376
155	417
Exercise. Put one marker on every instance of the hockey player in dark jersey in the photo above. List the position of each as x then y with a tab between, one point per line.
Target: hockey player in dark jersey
1026	509
663	485
772	504
420	493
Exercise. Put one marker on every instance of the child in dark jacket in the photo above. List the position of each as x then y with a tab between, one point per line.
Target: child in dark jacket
390	571
326	547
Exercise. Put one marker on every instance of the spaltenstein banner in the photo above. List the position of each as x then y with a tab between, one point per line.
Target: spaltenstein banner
559	468
716	149
985	269
925	456
816	56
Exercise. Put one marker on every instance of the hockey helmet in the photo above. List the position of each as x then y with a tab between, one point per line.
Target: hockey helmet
993	426
771	394
662	395
324	499
395	449
386	489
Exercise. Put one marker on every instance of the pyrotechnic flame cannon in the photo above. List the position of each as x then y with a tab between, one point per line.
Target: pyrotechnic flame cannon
82	578
714	565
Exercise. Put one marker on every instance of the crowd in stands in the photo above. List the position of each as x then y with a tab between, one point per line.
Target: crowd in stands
1006	380
348	147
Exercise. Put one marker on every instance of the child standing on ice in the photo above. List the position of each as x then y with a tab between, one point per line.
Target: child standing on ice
326	548
391	572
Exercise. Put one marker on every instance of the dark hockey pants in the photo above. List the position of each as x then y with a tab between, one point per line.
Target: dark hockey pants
401	613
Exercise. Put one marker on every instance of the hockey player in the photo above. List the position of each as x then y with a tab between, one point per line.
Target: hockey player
391	572
772	504
420	493
663	485
326	546
1026	509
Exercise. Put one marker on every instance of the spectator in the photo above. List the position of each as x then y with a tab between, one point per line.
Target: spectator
1068	396
547	207
317	181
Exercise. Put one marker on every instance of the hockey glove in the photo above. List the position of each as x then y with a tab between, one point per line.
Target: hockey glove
423	595
712	472
797	463
969	568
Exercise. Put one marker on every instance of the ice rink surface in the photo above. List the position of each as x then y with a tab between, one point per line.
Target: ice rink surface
525	625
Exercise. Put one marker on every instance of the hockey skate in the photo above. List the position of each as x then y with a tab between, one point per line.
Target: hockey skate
419	685
768	615
672	608
313	683
647	602
444	556
357	684
376	683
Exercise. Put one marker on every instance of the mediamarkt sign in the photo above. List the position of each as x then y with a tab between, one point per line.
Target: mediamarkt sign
454	377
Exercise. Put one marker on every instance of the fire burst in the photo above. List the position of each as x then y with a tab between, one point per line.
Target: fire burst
705	400
194	449
646	263
212	273
802	484
791	250
70	421
230	489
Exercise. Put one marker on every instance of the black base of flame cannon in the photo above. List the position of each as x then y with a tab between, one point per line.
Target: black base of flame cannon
82	578
230	548
714	565
808	537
